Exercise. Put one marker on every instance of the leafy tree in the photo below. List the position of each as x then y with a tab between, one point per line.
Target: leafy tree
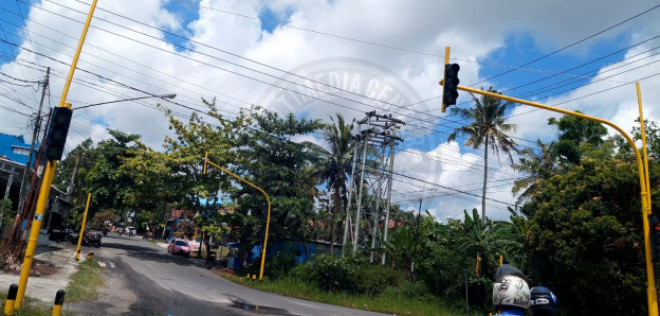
577	137
101	216
652	136
110	188
269	158
487	128
585	237
334	169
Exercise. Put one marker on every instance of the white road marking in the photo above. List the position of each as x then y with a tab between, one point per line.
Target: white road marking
101	263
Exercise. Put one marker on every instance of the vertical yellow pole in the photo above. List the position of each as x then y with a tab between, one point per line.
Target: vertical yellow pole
206	158
82	226
11	299
59	301
195	236
48	177
501	260
263	253
645	156
651	293
443	106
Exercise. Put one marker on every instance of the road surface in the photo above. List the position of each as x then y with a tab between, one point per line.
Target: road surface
143	279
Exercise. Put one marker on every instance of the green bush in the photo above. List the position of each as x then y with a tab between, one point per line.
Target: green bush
280	266
274	268
373	279
355	275
331	273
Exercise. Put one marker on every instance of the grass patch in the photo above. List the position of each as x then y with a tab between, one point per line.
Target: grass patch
84	282
390	301
31	307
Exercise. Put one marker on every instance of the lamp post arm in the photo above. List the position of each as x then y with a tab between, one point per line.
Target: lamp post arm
263	254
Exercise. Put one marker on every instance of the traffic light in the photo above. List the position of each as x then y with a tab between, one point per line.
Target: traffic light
450	90
654	229
57	132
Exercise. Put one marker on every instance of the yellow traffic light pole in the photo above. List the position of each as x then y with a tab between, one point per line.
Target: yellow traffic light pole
82	227
47	180
263	253
651	291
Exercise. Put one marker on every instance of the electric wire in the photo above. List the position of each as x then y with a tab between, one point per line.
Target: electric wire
569	45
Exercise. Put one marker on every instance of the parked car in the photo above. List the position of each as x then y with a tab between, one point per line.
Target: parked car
90	238
130	230
179	246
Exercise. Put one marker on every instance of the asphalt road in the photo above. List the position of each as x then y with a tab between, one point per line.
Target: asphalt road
146	280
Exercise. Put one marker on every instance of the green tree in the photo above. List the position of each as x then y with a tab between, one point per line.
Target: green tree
652	136
585	238
109	187
269	158
333	169
577	137
488	129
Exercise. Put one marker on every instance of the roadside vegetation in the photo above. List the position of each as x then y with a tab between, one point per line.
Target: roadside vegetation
31	307
85	282
577	226
405	299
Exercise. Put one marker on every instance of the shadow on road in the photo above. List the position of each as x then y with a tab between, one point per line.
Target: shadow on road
150	254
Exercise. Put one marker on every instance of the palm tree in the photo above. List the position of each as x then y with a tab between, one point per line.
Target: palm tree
335	168
539	166
488	129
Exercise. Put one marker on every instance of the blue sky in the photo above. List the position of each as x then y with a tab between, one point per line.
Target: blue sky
406	38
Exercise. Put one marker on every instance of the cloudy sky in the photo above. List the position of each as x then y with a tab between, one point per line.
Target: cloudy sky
319	58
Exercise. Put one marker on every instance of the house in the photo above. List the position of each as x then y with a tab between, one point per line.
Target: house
14	154
179	220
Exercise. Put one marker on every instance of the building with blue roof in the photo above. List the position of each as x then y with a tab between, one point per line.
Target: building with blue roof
15	148
14	154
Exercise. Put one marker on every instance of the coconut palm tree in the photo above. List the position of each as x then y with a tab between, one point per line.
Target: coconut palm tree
334	169
487	128
539	166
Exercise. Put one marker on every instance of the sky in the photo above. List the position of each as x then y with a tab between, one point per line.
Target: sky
322	58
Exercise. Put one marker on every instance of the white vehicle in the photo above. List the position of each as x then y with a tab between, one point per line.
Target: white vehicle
130	230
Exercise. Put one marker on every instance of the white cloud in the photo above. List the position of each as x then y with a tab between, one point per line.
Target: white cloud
473	29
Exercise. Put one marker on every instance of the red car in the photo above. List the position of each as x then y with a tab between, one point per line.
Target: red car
179	246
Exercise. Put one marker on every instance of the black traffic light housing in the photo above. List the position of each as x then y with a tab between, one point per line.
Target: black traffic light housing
450	86
654	229
57	132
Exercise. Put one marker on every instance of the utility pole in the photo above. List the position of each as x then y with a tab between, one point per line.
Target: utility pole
29	199
35	134
379	134
69	192
412	265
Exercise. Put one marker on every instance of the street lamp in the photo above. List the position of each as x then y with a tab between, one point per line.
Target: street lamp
164	96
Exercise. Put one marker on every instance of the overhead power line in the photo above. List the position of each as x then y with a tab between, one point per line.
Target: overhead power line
569	45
